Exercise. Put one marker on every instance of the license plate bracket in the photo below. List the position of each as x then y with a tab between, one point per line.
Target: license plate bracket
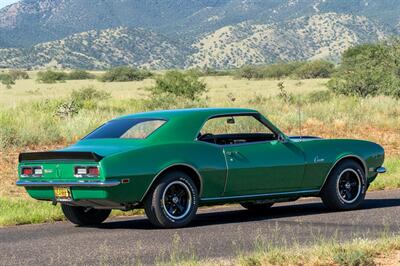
62	193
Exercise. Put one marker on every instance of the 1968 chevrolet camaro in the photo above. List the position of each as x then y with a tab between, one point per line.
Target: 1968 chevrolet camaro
171	162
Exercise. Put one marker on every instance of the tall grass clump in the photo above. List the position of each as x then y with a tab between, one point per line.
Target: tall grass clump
123	74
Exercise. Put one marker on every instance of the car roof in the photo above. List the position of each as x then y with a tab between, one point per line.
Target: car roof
184	124
204	112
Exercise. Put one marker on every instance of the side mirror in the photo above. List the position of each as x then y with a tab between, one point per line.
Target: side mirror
230	120
281	138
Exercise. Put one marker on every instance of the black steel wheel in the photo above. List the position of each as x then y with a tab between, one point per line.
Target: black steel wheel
173	201
345	187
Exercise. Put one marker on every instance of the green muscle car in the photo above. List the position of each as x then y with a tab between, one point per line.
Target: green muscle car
171	162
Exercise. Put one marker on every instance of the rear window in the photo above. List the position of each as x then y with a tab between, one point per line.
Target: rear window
126	129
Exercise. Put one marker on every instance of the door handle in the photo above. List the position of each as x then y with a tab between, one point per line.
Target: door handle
230	153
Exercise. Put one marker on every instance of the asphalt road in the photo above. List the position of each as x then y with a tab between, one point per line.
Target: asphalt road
216	232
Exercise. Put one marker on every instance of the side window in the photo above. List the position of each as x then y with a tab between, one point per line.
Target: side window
235	129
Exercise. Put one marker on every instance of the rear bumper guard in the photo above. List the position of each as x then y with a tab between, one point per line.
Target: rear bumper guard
380	170
110	183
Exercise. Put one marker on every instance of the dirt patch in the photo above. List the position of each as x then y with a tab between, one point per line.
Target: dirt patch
389	259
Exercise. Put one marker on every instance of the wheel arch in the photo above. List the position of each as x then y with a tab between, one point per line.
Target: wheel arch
351	157
186	168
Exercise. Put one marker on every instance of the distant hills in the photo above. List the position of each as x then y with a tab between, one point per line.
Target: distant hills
98	34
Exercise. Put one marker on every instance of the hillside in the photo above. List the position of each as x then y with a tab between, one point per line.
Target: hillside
320	36
99	50
191	33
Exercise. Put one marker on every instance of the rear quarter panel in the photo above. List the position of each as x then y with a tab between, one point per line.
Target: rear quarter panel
322	154
142	166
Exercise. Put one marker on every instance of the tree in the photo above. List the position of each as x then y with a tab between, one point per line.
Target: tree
369	70
174	83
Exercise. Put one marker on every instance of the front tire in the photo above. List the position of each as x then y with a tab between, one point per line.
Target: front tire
346	187
173	202
84	216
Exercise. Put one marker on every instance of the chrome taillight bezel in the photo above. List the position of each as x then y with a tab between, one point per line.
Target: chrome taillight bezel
34	168
87	175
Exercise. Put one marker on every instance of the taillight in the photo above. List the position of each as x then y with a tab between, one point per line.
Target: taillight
31	171
27	171
93	171
86	171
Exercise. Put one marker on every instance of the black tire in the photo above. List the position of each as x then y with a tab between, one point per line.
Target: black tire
346	187
257	207
173	201
83	216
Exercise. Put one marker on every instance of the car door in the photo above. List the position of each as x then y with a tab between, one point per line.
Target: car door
265	167
257	162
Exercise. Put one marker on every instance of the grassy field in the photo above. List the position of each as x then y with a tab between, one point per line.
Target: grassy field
29	120
359	252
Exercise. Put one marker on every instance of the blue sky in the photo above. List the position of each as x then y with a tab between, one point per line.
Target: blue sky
3	3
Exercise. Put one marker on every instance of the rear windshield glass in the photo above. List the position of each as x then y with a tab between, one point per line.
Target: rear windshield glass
126	129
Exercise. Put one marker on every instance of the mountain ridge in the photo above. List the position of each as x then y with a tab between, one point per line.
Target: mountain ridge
187	33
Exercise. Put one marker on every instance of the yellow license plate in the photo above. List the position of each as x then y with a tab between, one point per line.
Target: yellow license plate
62	193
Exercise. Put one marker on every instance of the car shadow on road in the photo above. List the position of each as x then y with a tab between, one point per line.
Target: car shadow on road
235	214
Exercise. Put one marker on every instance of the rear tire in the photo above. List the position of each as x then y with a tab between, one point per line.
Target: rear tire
346	187
84	216
173	201
257	207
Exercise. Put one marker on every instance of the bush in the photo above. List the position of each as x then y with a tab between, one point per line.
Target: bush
7	80
50	76
276	71
80	74
88	94
369	70
178	84
315	69
121	74
18	74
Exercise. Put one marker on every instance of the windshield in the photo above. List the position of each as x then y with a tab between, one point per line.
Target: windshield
136	128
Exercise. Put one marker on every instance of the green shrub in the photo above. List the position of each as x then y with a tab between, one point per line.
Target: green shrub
18	74
50	76
80	74
275	71
88	94
121	74
369	70
7	80
315	69
178	84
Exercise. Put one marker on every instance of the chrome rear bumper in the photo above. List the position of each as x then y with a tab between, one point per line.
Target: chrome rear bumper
110	183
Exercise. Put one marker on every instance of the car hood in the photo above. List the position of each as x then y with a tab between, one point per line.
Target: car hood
105	147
